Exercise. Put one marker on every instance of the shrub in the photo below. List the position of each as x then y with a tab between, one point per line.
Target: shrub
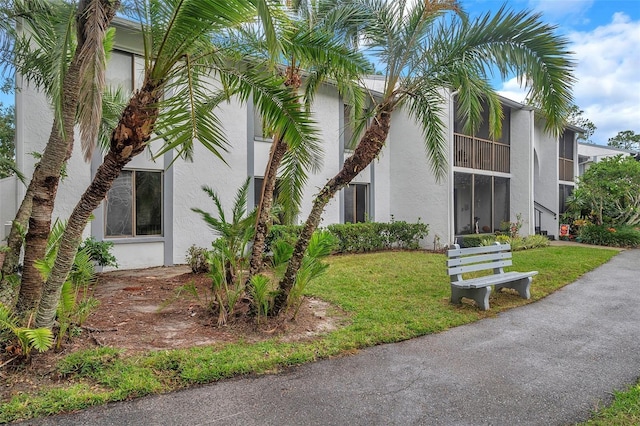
374	236
99	252
287	233
603	235
360	237
476	240
197	258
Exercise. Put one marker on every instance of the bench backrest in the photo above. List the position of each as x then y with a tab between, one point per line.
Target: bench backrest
463	260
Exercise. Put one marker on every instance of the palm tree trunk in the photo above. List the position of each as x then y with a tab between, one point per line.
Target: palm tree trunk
278	149
46	176
44	183
8	291
128	139
367	150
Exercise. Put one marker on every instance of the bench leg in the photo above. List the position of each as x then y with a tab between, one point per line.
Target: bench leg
480	295
521	286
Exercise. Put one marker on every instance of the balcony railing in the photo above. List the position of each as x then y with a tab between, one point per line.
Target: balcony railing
476	153
565	169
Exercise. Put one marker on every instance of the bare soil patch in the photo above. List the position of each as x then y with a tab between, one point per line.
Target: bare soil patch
131	316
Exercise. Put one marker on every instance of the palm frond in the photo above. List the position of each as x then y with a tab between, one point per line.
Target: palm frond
92	57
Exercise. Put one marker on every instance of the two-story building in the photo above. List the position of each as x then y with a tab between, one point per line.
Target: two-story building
147	213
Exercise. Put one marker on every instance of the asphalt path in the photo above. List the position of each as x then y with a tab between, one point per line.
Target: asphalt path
548	363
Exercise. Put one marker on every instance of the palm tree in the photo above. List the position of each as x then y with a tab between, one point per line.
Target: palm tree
308	44
424	49
60	49
175	101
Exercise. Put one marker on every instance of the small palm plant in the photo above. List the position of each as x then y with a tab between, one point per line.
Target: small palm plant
227	259
75	301
40	339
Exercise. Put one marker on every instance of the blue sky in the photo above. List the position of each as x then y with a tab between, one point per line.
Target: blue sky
605	36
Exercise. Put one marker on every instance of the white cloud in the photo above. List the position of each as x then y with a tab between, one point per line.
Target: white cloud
608	86
608	76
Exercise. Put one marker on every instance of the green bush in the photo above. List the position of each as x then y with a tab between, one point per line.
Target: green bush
476	240
99	252
360	237
287	233
602	235
374	236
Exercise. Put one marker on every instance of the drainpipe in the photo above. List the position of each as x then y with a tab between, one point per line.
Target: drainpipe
531	172
450	212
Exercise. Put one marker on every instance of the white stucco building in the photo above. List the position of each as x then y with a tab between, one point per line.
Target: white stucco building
148	213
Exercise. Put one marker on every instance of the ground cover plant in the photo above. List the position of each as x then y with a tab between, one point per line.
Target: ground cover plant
625	410
386	297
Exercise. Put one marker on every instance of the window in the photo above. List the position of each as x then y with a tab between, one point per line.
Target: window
565	193
260	130
258	183
119	72
480	199
134	205
356	202
565	152
566	145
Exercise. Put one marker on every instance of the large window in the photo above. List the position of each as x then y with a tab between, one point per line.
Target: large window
120	70
566	152
356	203
134	205
481	202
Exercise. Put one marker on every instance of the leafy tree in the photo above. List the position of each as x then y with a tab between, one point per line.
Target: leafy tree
423	50
577	118
59	47
181	54
308	43
7	145
627	139
609	191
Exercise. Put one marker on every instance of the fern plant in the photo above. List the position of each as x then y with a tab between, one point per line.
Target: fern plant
320	246
75	302
227	258
40	339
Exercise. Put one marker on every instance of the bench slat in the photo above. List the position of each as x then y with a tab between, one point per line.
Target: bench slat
457	261
478	250
493	279
479	267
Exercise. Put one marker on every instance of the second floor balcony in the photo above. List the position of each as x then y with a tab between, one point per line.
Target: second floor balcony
476	153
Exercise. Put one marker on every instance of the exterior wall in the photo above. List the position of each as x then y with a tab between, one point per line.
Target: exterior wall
414	192
401	182
596	153
522	136
546	177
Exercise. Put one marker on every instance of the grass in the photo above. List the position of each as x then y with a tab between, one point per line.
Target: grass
388	297
623	411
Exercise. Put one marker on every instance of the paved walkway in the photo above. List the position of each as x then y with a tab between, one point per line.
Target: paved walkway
547	363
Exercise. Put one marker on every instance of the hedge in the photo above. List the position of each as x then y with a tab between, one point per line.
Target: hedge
362	237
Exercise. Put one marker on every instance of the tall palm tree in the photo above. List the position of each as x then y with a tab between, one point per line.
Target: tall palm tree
424	49
60	49
175	101
310	46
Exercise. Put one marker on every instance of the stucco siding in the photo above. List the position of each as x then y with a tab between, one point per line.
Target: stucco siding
546	177
414	191
522	169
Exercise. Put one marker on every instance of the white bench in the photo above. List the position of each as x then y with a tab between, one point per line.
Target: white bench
496	257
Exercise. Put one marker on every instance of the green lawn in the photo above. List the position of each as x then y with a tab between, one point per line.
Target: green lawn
388	297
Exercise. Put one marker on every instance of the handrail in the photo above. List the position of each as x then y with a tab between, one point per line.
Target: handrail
543	208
